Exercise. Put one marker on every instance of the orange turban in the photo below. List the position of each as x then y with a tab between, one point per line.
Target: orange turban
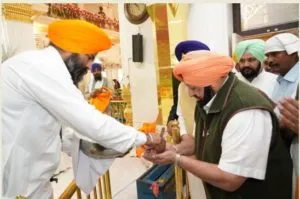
202	68
78	36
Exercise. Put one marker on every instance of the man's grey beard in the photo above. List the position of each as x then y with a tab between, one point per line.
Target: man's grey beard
76	70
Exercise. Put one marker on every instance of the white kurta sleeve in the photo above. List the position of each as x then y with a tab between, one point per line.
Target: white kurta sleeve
245	144
67	139
58	95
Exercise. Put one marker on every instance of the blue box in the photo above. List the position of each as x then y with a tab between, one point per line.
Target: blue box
164	176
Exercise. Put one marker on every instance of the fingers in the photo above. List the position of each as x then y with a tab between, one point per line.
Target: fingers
149	156
289	111
162	132
288	114
290	104
294	126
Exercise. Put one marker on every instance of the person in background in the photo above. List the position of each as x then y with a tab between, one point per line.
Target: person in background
250	55
116	84
97	79
282	56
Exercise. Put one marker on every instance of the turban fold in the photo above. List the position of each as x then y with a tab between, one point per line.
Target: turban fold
187	46
254	46
283	42
78	36
202	68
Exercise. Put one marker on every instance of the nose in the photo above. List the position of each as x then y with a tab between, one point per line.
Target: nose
246	63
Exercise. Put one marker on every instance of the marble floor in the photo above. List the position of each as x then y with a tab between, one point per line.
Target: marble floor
123	175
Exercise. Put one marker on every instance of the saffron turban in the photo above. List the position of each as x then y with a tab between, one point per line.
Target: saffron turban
254	46
78	36
202	68
283	42
187	46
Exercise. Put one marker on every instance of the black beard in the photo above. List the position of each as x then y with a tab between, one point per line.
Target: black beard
76	70
98	77
252	74
208	95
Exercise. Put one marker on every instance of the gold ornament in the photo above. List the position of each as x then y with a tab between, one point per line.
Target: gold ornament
18	12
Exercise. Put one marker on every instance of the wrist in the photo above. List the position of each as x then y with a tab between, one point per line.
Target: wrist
177	159
175	148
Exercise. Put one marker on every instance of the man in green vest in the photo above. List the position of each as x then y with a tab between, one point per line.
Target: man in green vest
239	152
185	106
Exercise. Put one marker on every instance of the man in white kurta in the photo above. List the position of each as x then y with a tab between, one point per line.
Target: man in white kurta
249	55
39	94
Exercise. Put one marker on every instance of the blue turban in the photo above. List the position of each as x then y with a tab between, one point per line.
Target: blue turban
187	46
95	66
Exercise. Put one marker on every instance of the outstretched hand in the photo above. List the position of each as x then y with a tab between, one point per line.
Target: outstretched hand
166	157
157	142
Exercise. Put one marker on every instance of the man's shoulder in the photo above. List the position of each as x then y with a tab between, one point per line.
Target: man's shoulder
269	75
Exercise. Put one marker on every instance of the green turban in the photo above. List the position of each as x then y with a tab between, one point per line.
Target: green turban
254	46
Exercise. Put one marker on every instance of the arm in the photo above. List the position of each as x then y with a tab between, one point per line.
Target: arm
208	172
212	174
245	148
187	143
57	94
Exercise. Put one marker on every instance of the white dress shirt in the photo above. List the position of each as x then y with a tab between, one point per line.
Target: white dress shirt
264	81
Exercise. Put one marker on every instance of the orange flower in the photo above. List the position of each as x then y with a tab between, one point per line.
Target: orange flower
146	128
101	98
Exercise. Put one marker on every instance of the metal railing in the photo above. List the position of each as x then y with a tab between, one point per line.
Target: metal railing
101	191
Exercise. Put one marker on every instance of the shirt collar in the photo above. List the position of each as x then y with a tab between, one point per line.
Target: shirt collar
292	75
208	105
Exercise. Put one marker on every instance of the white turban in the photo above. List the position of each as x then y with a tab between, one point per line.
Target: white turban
282	42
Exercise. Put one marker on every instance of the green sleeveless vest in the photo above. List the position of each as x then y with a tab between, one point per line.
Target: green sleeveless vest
236	96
